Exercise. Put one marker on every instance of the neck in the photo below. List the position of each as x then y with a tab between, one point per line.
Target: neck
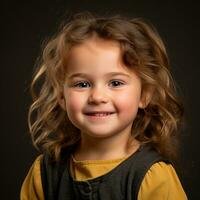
105	148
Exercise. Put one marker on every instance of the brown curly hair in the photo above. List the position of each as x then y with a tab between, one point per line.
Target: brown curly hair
142	50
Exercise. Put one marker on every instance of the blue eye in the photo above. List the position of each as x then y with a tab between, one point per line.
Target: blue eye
117	83
81	84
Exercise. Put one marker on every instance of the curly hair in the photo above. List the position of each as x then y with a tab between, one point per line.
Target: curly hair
142	49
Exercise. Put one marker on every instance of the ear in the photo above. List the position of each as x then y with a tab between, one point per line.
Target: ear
146	97
61	101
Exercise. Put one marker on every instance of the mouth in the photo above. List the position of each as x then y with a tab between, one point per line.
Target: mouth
99	115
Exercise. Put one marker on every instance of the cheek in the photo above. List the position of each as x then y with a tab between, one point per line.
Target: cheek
128	102
74	103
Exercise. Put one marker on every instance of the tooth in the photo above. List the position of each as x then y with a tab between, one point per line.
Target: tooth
101	114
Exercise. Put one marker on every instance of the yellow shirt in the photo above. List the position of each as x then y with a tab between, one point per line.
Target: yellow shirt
160	182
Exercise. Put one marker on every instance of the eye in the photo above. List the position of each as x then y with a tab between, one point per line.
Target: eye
117	83
82	84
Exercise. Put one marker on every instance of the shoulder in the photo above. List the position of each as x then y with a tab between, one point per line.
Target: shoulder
36	163
32	185
162	182
34	170
161	171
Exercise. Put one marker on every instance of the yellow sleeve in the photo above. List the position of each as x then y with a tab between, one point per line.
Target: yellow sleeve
161	183
32	186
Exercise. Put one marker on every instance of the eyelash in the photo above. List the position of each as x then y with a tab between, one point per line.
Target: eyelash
82	82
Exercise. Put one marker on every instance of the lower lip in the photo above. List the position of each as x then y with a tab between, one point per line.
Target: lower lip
95	117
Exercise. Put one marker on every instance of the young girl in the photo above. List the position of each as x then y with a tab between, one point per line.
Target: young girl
107	116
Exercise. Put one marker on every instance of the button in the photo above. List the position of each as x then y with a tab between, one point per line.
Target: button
85	188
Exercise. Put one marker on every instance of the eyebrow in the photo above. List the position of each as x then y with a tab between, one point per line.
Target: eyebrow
108	74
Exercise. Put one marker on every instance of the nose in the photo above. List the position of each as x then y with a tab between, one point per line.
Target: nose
97	95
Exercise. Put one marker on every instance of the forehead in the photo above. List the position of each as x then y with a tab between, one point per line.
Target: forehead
97	56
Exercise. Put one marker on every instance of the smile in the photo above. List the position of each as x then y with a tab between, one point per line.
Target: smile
97	116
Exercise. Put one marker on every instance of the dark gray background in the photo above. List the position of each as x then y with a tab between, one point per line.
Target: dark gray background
26	25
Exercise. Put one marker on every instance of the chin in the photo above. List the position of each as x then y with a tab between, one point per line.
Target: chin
100	135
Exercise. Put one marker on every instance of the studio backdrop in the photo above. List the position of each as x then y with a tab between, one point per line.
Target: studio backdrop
25	28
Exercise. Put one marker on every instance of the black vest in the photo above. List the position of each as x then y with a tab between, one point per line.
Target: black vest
121	183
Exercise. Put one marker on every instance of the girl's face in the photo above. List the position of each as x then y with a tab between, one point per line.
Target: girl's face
101	95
